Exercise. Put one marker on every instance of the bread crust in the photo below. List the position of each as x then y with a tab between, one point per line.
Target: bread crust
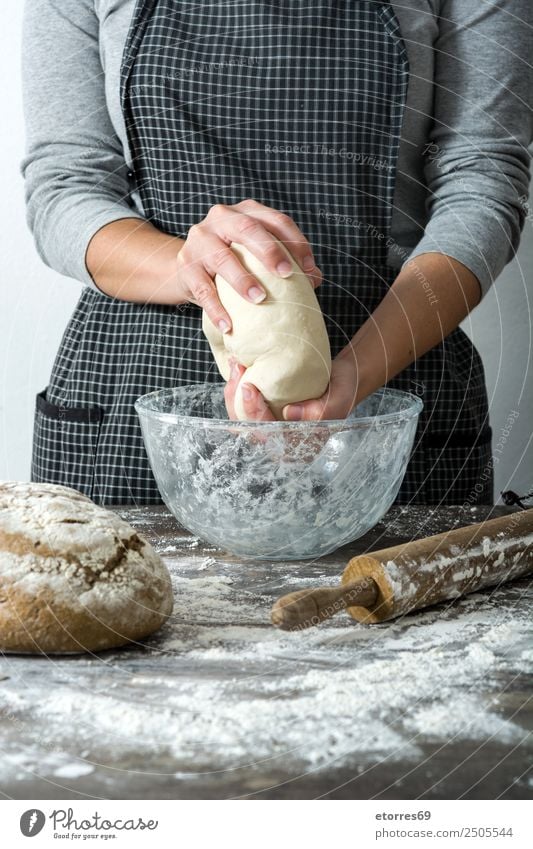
74	577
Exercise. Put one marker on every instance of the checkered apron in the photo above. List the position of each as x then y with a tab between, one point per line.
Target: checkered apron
298	105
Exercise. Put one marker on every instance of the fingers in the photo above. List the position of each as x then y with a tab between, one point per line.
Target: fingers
255	406
288	232
336	403
218	258
321	409
233	225
236	373
338	400
207	252
306	411
203	293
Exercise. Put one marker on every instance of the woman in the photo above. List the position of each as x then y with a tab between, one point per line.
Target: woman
384	144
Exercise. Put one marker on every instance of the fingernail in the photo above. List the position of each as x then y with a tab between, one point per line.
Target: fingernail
308	263
256	294
223	326
293	413
284	269
246	391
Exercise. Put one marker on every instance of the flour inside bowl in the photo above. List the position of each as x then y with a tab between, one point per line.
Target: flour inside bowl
276	491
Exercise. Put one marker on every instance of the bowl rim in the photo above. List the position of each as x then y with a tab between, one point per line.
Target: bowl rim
364	421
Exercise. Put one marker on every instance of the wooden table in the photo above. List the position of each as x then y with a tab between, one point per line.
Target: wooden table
218	704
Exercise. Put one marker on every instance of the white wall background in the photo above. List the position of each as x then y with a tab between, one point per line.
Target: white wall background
37	302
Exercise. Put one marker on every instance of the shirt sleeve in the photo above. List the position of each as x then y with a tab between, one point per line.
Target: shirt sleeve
476	159
74	167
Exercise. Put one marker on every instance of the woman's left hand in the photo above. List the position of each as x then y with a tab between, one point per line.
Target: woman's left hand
337	402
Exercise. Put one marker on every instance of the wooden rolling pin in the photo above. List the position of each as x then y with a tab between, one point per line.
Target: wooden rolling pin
389	583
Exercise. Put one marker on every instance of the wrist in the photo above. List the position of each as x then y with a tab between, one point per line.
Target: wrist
160	279
367	378
131	260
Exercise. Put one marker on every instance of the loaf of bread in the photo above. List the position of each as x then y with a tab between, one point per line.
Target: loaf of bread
74	577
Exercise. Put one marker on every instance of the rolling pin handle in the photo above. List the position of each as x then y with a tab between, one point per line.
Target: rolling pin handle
305	608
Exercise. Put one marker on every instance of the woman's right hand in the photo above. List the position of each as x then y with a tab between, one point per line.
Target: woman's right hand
207	252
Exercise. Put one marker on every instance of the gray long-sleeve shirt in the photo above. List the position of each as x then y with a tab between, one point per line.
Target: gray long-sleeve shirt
462	176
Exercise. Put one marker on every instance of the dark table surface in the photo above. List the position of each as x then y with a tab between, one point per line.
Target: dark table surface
219	704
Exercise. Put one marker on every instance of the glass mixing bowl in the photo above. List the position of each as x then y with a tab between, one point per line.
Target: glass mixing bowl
276	490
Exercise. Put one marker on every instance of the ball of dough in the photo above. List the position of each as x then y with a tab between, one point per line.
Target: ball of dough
74	577
282	341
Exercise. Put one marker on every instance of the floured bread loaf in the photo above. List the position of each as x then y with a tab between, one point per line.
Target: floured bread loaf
74	577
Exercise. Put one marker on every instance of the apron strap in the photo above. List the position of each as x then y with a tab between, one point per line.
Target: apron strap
141	15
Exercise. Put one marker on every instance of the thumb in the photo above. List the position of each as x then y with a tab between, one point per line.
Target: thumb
306	411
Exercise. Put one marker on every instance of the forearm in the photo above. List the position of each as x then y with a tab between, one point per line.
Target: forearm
133	261
429	298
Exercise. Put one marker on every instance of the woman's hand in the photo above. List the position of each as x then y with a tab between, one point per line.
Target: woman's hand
255	406
410	320
340	397
337	402
207	252
132	260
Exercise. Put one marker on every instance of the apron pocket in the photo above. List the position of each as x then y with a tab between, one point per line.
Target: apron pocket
65	444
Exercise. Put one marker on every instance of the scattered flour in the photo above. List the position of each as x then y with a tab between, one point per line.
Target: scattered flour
206	564
73	770
463	718
223	689
527	659
36	761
